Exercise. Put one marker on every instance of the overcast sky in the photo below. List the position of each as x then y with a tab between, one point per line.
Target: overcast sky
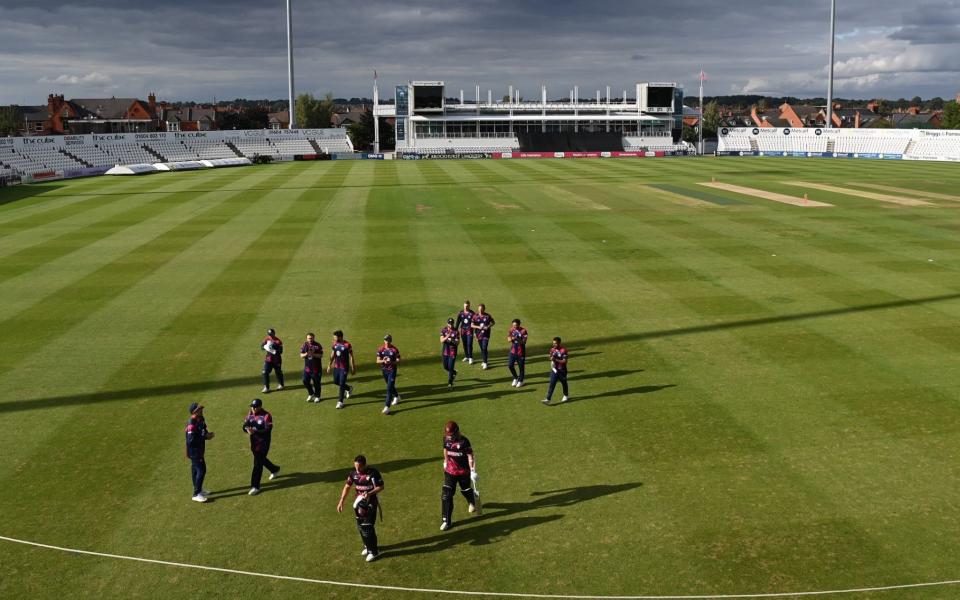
205	49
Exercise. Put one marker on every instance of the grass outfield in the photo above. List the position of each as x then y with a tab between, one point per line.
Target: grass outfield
764	394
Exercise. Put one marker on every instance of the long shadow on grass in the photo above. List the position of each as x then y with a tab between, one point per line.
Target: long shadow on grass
442	395
491	527
251	382
643	389
22	192
297	479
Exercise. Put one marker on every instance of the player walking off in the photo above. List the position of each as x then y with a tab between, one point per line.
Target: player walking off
482	322
197	436
459	468
388	357
449	338
259	426
465	325
368	483
518	352
272	361
312	352
558	370
341	359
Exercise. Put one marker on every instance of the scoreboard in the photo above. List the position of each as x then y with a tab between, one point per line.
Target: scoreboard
656	97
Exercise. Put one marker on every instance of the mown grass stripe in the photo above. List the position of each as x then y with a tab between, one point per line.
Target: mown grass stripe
86	295
283	237
36	255
51	209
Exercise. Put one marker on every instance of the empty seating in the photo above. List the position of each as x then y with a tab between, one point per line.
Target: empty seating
936	147
791	143
870	144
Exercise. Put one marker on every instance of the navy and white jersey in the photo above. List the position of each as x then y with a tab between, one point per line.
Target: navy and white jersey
518	341
484	322
365	481
453	338
558	359
196	433
342	351
464	320
314	352
390	355
272	342
457	452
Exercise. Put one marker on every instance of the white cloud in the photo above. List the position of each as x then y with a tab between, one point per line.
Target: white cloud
94	78
906	60
754	85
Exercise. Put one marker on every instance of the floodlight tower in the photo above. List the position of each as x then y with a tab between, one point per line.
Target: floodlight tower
833	28
292	108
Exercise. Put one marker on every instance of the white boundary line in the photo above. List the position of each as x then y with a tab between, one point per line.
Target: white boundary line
471	593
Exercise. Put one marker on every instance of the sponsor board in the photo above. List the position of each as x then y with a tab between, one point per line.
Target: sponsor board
89	172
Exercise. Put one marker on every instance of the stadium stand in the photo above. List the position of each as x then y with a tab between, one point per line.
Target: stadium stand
57	156
915	144
855	144
936	146
784	143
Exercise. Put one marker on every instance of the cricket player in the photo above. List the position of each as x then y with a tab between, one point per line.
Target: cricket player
558	370
459	468
368	483
517	336
197	436
272	361
482	322
341	359
449	338
465	325
312	353
259	426
388	357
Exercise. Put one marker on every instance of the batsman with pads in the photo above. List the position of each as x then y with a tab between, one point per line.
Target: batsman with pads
459	468
368	483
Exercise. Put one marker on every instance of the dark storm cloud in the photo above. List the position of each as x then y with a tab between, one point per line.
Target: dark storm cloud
199	50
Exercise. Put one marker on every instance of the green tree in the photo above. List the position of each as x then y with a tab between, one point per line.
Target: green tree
690	135
361	134
916	101
711	119
935	103
882	124
951	115
8	120
314	113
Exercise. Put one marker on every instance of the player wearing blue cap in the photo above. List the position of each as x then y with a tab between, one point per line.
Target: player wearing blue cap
197	436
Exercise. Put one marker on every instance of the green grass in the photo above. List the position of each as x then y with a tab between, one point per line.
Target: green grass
764	395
